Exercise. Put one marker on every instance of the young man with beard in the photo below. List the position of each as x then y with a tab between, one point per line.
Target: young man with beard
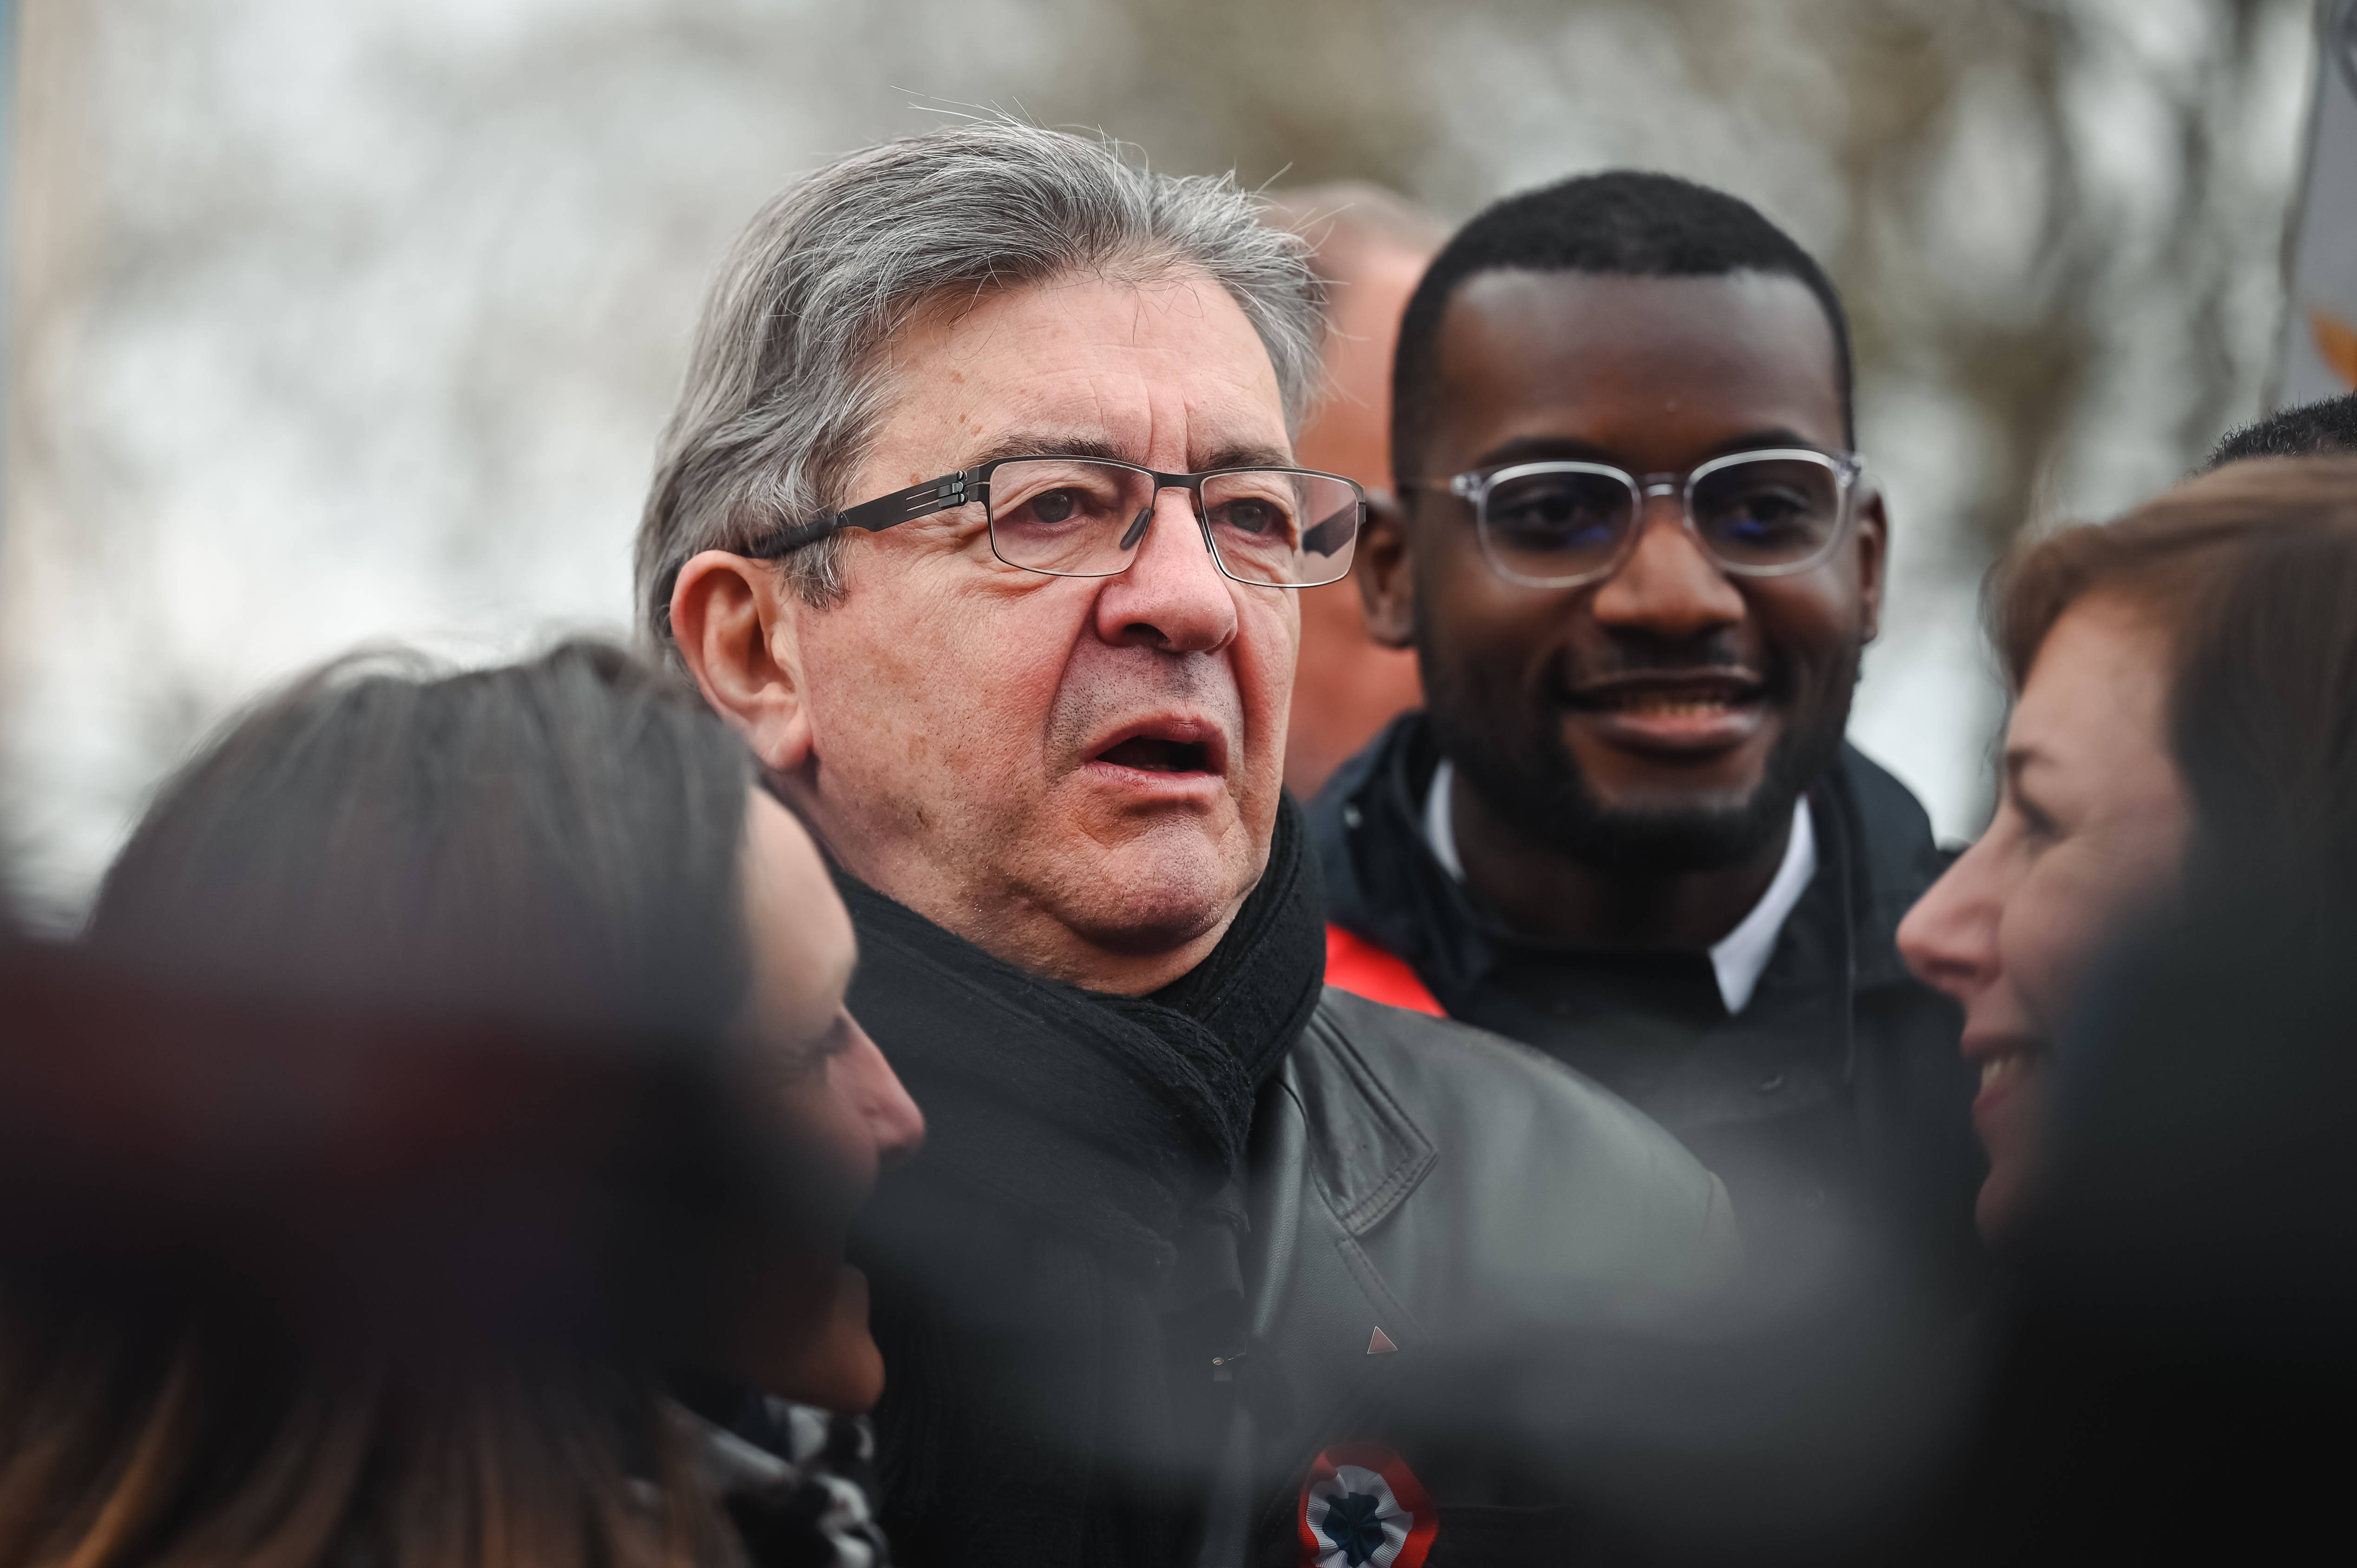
1637	562
980	521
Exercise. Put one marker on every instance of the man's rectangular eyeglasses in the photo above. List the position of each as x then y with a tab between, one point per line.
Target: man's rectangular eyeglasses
1756	514
1084	517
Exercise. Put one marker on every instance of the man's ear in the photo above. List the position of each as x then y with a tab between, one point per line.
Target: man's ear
1386	572
738	624
1873	557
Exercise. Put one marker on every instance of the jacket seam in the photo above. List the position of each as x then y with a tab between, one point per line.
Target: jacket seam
1370	1209
1379	1290
1405	1178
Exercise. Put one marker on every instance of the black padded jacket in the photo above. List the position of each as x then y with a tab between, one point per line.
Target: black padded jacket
1836	1105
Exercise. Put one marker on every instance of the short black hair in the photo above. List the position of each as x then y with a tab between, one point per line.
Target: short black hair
1620	223
2330	426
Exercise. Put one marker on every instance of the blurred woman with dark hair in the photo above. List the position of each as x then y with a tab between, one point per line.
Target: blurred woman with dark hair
2185	721
440	1152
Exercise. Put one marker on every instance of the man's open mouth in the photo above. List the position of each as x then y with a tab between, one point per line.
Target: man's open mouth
1171	744
1153	754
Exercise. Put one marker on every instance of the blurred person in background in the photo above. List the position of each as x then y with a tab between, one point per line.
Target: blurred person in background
1639	563
1369	248
2184	682
2151	944
441	1151
2315	429
979	518
2171	1358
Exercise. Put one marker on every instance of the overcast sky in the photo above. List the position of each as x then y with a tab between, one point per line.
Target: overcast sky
339	324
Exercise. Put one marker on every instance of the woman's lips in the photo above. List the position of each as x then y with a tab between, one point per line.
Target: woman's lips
1999	1072
2011	1076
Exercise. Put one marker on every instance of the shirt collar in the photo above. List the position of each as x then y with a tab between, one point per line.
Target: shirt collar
1738	958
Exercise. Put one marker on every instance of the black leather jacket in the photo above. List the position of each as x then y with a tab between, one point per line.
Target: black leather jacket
1418	1188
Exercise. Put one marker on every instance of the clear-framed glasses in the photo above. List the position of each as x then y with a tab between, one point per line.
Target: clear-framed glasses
1084	517
1755	514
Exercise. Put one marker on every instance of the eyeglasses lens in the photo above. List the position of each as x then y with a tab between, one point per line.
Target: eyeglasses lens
1767	512
1557	524
1075	518
1067	515
1276	525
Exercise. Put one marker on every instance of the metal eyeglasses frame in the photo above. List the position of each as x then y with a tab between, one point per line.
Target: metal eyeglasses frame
950	491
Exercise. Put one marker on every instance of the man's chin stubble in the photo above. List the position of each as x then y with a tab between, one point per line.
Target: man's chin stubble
1545	800
1141	912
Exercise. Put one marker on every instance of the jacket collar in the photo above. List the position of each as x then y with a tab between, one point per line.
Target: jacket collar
1383	881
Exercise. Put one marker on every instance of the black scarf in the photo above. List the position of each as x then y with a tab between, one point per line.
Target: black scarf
1051	1268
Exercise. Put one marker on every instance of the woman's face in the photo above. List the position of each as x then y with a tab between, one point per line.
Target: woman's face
2089	832
837	1097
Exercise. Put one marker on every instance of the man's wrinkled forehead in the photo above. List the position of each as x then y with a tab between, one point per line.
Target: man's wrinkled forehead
1165	370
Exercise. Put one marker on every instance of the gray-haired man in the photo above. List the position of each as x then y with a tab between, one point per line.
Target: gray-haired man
978	519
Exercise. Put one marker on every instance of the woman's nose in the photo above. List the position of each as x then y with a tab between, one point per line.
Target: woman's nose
894	1123
1949	937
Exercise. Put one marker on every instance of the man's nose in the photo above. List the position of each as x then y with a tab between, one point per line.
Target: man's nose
1949	937
1173	597
893	1122
1668	587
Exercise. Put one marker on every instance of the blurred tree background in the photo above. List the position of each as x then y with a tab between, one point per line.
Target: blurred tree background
335	323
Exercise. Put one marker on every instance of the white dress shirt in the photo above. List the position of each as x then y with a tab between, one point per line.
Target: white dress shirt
1737	958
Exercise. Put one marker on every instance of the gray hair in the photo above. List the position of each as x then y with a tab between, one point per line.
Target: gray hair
787	383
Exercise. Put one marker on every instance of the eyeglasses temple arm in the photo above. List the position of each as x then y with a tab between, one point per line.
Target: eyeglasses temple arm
885	511
1328	537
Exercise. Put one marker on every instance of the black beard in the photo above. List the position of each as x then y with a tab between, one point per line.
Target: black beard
1530	779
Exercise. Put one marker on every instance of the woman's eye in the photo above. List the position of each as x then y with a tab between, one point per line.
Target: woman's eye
831	1039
